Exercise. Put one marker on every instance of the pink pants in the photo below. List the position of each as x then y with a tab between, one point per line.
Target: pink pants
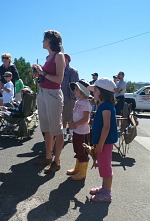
104	161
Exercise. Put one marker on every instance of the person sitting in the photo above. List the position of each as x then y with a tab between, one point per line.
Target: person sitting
15	110
7	89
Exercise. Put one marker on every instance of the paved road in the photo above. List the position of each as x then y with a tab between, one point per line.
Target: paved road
27	194
144	130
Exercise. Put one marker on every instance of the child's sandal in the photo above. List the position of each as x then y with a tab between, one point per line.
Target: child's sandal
96	190
101	197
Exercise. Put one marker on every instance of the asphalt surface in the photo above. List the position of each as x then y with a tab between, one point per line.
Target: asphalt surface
26	193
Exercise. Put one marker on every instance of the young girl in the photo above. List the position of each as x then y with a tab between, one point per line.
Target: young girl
81	128
104	135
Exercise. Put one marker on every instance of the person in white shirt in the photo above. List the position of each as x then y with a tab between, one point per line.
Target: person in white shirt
7	89
119	93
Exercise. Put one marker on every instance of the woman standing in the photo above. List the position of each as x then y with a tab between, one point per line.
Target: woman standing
8	66
50	98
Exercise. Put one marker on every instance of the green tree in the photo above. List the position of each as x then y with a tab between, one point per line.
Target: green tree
24	68
130	87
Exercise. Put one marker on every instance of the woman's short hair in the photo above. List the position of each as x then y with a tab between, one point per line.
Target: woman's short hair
55	40
7	55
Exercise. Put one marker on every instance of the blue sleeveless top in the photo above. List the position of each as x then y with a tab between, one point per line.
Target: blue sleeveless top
98	124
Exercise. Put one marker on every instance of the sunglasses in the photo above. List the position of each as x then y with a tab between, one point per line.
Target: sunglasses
7	76
5	58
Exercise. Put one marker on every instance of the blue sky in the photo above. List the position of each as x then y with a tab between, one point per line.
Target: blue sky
84	25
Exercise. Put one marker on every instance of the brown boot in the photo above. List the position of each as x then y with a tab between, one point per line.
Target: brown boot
75	170
82	172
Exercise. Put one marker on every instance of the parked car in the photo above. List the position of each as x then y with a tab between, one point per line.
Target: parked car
140	99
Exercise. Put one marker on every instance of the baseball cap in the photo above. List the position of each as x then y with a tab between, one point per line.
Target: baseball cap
115	76
67	56
7	74
82	85
95	74
104	83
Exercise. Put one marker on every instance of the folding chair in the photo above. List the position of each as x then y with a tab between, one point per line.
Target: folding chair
127	130
17	124
121	144
2	122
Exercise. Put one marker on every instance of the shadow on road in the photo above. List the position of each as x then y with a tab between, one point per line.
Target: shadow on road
66	142
59	201
36	150
92	211
7	142
19	184
142	115
124	161
59	204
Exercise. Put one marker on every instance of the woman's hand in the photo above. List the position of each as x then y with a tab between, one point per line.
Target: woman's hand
38	68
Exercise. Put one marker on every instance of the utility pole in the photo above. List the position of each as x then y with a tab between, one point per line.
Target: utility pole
37	61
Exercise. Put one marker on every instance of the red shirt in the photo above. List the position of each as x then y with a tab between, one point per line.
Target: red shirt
50	68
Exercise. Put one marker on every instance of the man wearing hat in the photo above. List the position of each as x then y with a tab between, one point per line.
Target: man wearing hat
95	77
119	93
70	75
7	89
115	79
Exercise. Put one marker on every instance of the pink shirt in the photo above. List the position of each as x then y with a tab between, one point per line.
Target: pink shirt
78	113
50	68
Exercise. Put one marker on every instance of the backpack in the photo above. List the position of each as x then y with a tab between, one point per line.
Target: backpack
131	132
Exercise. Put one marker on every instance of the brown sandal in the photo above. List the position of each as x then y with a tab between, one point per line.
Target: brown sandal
42	161
52	168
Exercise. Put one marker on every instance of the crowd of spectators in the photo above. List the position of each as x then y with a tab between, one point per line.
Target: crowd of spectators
64	108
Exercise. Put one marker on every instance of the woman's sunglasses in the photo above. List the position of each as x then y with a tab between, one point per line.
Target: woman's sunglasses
5	58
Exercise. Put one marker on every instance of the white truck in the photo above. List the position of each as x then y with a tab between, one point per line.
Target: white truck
140	99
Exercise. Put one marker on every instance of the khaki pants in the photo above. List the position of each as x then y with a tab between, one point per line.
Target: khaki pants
50	107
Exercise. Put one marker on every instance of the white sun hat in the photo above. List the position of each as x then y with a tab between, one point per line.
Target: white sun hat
104	83
82	85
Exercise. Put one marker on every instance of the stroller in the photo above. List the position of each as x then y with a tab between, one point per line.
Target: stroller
20	121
